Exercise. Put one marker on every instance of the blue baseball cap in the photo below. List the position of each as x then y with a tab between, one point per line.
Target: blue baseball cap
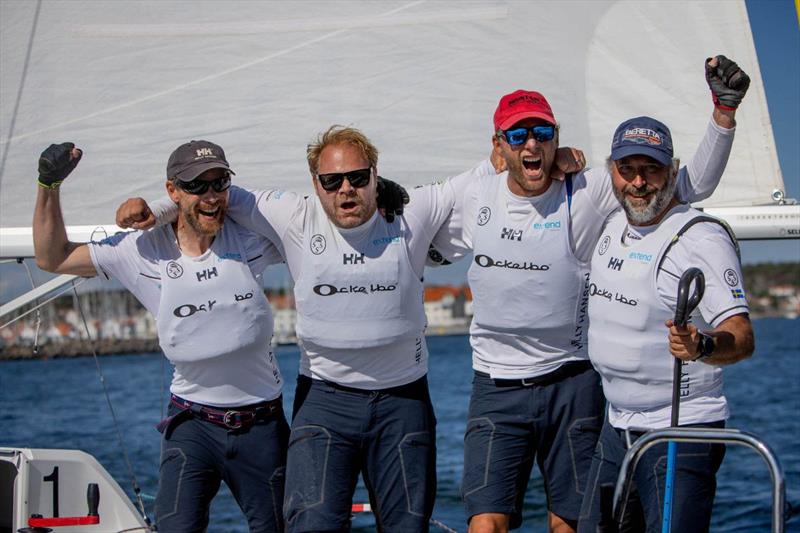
642	136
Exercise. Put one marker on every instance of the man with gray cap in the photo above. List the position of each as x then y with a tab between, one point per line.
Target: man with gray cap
200	277
643	251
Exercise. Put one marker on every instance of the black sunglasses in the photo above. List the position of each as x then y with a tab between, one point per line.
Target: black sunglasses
541	133
197	186
357	178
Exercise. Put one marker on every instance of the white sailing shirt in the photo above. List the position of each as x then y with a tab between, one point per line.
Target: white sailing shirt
526	346
359	294
523	264
632	293
214	322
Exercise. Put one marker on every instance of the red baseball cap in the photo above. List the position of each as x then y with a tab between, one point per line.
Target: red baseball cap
520	105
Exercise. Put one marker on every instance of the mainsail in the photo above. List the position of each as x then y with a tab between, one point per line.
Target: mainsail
129	81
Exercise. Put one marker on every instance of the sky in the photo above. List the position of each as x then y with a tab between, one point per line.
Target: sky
776	31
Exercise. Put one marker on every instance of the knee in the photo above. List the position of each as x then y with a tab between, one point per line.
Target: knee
489	523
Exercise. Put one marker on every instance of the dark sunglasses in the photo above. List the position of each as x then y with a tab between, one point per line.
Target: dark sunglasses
197	186
357	178
541	133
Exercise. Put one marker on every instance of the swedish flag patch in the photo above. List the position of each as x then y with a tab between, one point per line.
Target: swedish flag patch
737	293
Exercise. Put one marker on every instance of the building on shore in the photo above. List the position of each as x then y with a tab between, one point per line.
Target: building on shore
117	323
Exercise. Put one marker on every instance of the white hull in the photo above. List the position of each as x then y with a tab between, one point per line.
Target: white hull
27	488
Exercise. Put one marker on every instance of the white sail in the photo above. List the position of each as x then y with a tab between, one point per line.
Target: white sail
129	81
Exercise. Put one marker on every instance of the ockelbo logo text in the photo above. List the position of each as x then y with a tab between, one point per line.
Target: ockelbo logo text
487	262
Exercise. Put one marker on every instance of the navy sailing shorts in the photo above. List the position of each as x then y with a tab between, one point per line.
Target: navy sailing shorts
694	488
554	418
389	436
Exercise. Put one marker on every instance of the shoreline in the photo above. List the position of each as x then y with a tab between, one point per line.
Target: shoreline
83	348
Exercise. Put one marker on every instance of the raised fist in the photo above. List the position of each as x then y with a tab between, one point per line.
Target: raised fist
56	162
728	83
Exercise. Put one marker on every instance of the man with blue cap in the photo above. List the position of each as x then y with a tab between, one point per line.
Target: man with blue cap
643	251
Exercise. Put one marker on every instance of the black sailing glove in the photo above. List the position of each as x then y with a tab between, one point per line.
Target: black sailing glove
56	163
391	198
728	83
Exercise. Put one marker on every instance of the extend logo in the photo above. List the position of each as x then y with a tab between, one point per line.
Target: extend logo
604	245
317	244
731	278
174	270
484	215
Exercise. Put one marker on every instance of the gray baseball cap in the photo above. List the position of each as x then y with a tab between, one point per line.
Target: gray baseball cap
195	157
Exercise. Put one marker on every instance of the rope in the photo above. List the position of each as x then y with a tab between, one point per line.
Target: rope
38	320
136	490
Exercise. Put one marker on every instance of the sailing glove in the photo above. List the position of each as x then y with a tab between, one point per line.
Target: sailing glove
56	163
728	83
391	198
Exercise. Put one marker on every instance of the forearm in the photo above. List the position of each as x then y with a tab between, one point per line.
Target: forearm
701	176
733	339
724	118
50	243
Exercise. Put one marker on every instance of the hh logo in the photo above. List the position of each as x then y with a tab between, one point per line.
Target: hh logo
352	259
511	234
206	274
615	264
205	152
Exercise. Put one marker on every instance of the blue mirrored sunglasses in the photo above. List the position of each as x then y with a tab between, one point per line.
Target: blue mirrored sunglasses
540	133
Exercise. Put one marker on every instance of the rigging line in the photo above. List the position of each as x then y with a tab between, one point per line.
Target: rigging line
42	303
136	490
198	81
38	320
21	87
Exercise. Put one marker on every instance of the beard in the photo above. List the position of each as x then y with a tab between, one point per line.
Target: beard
202	225
640	215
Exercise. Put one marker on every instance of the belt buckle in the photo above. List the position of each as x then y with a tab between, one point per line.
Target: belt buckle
528	382
226	419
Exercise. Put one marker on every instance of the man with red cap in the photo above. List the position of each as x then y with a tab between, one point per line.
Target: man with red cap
535	393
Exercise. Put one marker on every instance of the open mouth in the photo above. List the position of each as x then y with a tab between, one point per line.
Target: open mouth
532	164
347	206
211	212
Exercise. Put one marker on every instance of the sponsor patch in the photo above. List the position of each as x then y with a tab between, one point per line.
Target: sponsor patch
731	278
639	256
174	270
604	244
317	244
551	225
484	215
642	136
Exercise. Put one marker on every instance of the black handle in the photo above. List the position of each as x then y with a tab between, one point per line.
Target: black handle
687	302
93	498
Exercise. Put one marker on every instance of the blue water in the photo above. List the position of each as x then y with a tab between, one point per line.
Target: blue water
59	404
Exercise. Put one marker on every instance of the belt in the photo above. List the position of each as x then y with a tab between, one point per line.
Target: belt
568	369
233	417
